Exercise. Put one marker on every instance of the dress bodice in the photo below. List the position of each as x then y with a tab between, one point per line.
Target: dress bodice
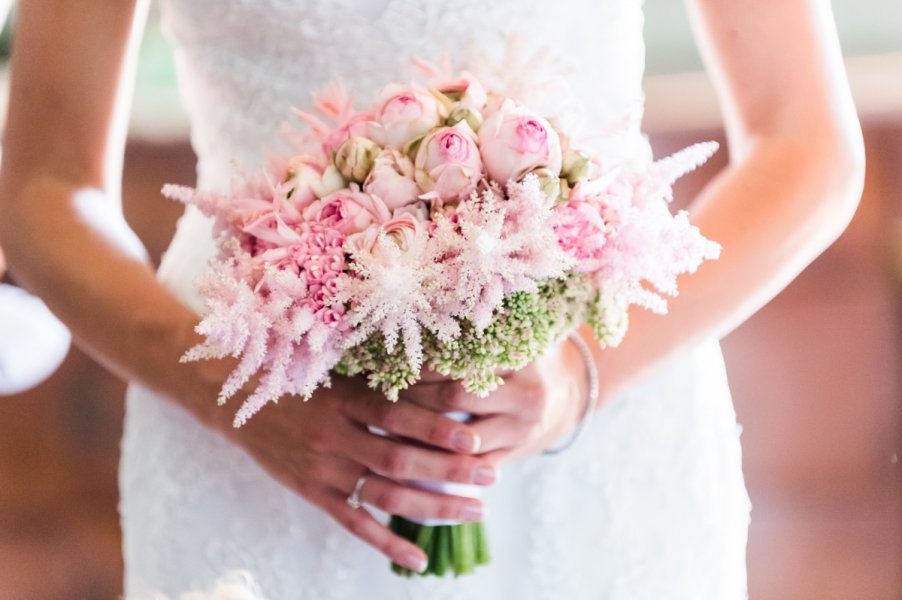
243	63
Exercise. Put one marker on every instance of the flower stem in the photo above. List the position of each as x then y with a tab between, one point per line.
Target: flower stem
457	549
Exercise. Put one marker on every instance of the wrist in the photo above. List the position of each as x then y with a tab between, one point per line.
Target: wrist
583	385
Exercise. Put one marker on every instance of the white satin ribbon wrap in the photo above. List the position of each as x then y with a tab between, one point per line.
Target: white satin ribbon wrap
468	490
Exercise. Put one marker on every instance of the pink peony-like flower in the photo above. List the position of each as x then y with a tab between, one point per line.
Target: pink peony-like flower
514	141
404	113
392	180
448	165
348	211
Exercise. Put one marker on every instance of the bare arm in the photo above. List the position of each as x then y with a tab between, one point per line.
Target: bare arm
794	179
62	227
60	215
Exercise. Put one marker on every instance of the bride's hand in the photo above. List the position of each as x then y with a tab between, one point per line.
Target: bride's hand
322	447
535	407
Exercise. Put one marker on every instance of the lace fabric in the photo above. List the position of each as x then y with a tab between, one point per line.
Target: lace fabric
649	504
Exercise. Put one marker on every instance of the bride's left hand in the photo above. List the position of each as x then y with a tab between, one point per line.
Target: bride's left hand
535	407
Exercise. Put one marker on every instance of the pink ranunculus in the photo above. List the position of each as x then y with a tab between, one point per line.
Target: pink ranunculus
402	230
448	165
363	242
392	180
404	113
348	211
514	141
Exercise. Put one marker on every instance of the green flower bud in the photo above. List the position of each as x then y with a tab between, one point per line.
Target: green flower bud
354	158
462	113
549	182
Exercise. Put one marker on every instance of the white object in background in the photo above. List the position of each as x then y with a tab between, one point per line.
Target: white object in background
33	342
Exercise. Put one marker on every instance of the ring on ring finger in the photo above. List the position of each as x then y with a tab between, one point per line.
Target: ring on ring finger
354	499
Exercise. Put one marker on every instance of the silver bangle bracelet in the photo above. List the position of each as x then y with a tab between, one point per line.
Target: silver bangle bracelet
591	397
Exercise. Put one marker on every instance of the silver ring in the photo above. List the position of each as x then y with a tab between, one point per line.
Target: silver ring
354	498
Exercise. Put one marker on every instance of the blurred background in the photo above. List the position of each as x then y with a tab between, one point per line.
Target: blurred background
815	374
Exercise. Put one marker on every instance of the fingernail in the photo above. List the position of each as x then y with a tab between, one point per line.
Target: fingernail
484	475
414	562
471	512
464	441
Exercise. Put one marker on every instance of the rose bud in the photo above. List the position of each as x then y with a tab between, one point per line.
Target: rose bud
404	113
355	158
448	165
514	141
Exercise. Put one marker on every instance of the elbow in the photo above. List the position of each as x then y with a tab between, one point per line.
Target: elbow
844	162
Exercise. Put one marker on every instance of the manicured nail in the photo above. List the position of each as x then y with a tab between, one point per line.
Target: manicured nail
484	476
464	441
414	562
471	512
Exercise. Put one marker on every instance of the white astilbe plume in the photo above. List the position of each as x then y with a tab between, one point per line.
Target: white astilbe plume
496	247
391	291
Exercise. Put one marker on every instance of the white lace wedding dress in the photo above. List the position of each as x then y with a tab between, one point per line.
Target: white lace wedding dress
649	504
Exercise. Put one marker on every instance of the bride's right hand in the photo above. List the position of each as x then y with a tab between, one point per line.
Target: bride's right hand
320	449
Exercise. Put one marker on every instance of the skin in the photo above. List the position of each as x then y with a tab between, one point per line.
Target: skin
793	183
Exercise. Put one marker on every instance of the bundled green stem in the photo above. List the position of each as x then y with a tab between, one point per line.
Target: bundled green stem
451	549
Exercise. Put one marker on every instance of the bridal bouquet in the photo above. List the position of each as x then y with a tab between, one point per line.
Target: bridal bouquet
445	226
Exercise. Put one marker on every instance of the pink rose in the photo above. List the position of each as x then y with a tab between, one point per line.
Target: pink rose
448	165
404	113
514	141
392	180
348	211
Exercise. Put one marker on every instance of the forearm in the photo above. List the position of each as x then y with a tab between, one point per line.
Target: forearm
75	251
